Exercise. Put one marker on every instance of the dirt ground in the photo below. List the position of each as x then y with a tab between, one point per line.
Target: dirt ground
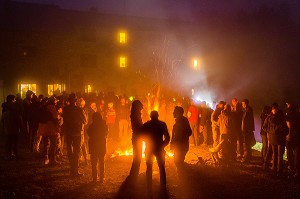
29	178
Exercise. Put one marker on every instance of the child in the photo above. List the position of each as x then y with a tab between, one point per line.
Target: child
97	132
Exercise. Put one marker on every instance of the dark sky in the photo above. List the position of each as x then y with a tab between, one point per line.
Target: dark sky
165	8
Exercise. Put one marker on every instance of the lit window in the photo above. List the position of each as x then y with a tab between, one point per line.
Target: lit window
122	37
195	63
23	88
50	89
122	62
54	89
88	88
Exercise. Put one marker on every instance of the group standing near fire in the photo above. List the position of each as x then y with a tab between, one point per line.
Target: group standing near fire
86	123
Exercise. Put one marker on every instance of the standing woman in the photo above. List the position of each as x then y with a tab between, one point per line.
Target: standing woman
137	142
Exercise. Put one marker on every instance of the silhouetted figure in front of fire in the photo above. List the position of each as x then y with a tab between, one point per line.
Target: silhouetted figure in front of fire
157	138
74	121
137	142
97	132
180	137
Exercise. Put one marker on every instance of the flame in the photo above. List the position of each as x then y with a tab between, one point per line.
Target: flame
129	152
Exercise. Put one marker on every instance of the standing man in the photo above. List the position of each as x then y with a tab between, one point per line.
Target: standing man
157	138
74	121
237	138
180	136
248	128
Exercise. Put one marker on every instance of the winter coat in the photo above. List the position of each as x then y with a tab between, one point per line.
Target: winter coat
276	128
97	133
225	122
156	135
181	133
74	120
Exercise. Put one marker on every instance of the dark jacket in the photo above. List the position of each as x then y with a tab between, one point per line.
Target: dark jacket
276	128
156	135
74	120
181	133
248	120
97	133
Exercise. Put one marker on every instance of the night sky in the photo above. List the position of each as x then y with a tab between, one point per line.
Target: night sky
167	8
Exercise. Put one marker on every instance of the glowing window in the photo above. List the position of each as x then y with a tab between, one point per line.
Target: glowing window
122	62
88	88
54	89
23	88
122	37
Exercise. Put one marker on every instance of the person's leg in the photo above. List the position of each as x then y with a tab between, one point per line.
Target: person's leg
137	146
162	171
101	168
94	167
76	151
275	158
149	164
46	143
281	149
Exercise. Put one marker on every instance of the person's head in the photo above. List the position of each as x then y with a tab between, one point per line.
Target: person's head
93	106
227	108
234	101
10	98
245	103
274	109
221	105
267	110
136	106
51	101
29	94
81	102
203	104
72	98
154	115
40	97
178	112
123	101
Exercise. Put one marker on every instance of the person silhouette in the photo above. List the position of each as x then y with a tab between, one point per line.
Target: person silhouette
157	138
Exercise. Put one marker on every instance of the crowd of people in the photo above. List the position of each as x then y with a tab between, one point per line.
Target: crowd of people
85	122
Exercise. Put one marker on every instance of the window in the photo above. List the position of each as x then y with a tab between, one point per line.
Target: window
56	89
122	37
23	88
88	89
122	62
